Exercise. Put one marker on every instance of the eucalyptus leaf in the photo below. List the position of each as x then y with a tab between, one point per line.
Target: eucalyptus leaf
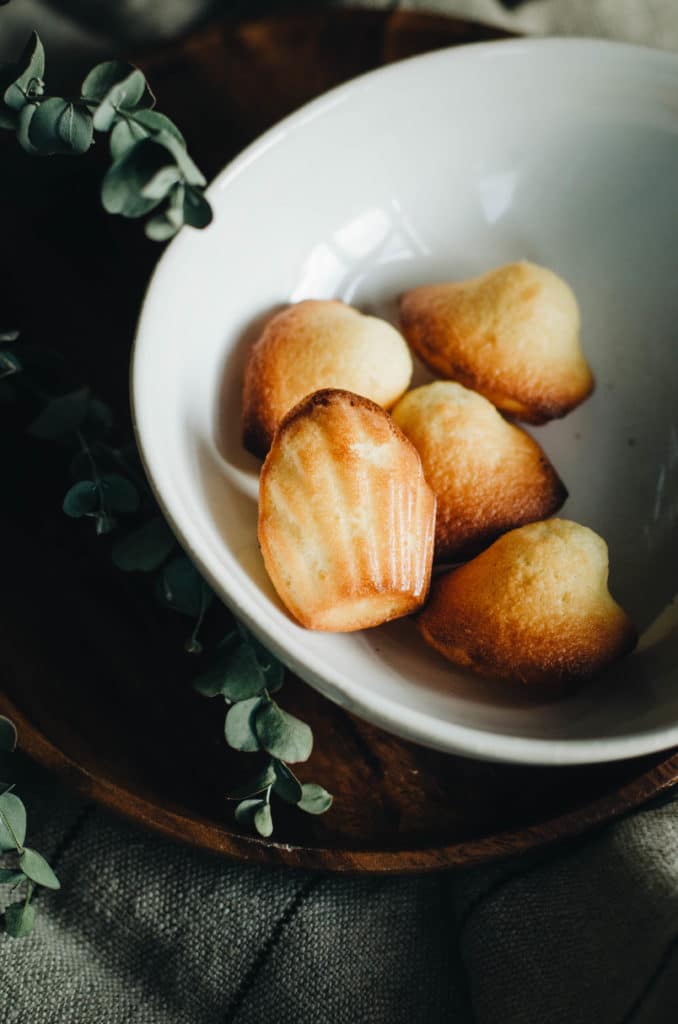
105	523
7	735
20	919
82	499
61	416
282	735
145	549
257	784
28	83
10	876
175	208
35	867
263	820
239	728
123	184
124	96
121	495
124	135
8	117
314	799
273	669
245	811
104	116
12	822
75	128
287	785
211	682
191	173
274	672
43	130
183	588
153	121
160	229
103	77
236	674
9	364
140	125
26	115
197	211
61	126
161	182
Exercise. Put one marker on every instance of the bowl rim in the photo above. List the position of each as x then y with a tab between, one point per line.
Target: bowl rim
385	712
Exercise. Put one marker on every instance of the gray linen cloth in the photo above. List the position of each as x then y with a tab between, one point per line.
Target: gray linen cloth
148	932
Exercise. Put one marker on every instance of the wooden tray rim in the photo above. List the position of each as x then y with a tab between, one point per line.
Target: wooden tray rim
205	834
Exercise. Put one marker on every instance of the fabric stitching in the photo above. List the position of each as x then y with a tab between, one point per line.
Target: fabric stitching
72	833
663	963
456	951
66	842
269	946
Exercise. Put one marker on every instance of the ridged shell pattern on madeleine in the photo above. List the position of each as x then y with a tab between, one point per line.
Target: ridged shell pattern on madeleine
346	518
319	344
488	475
512	335
534	608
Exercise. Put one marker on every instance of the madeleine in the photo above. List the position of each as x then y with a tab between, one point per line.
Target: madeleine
512	335
319	344
346	518
534	608
488	475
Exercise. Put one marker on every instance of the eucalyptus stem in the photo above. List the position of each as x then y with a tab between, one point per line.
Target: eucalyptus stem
137	479
151	169
29	867
151	172
104	520
193	645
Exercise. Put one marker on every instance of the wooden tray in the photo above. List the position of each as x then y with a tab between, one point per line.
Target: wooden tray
91	671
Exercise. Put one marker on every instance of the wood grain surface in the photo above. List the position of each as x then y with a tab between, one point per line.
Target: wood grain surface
90	669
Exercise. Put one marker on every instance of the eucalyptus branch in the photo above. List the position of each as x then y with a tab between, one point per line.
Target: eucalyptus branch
108	490
21	866
151	170
246	675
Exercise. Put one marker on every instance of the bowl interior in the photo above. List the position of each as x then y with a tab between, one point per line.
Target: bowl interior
561	152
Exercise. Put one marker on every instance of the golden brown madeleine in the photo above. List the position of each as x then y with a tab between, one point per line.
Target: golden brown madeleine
346	518
319	344
512	335
488	476
533	608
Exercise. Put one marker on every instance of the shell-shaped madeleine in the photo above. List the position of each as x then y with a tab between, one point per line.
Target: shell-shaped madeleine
488	475
512	335
346	518
534	608
319	344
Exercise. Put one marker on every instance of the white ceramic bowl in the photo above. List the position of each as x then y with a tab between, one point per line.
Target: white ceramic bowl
563	152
